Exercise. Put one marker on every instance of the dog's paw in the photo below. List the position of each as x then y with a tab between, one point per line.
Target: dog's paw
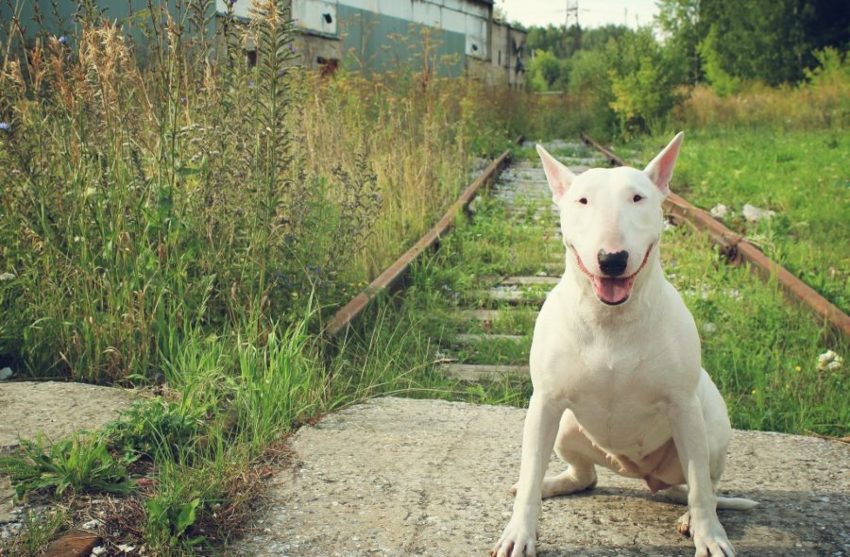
518	540
710	539
683	524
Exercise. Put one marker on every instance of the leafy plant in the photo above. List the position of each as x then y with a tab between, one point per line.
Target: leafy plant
79	464
169	520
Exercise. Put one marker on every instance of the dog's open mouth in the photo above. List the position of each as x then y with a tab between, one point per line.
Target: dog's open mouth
612	290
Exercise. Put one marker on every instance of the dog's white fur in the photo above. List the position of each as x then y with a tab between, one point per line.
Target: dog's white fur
619	386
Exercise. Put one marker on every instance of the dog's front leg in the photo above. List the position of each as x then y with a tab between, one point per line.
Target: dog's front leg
541	426
691	440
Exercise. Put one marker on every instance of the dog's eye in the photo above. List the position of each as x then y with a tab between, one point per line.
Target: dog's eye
583	201
637	197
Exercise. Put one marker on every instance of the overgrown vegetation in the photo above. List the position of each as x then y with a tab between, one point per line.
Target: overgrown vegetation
173	217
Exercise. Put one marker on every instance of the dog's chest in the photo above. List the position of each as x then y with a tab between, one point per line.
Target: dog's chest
618	395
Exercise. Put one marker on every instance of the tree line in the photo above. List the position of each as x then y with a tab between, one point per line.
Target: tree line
638	75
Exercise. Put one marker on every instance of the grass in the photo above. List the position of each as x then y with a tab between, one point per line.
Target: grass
80	463
799	174
38	529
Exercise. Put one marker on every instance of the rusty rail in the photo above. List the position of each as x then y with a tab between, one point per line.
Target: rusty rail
392	274
739	249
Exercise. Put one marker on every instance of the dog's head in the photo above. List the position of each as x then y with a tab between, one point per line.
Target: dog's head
611	219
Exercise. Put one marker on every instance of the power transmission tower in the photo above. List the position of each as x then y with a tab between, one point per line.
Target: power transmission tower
572	13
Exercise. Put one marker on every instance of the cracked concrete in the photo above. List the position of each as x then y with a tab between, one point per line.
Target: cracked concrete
401	477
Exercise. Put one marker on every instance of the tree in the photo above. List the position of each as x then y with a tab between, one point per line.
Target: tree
767	40
546	71
679	21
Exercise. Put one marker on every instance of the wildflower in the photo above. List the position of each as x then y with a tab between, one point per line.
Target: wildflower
798	368
292	48
63	40
5	126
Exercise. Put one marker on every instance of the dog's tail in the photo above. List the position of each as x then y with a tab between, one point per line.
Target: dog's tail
679	495
736	503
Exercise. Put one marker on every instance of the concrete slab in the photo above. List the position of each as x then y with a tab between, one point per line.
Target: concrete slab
55	409
478	339
530	281
513	295
400	477
482	372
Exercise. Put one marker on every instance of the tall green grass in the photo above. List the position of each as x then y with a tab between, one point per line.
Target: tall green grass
151	190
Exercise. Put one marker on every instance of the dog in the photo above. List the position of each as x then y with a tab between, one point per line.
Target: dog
615	362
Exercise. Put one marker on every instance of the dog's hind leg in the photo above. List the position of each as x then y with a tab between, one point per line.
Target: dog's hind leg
581	456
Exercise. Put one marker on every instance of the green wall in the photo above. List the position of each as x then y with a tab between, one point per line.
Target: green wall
374	42
370	42
62	22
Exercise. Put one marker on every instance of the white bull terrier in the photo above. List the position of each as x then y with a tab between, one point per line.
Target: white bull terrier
615	362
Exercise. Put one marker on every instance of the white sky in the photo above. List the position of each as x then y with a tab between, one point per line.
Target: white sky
592	13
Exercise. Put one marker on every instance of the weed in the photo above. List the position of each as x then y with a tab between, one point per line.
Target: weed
149	425
79	464
38	529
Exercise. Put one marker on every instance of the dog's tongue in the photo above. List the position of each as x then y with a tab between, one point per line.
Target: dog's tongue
612	290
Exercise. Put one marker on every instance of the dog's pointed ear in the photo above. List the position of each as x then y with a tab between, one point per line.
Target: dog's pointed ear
660	170
559	176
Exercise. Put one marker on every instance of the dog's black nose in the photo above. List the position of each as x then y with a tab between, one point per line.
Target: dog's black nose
613	264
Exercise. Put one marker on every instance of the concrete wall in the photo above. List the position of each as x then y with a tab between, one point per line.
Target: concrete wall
506	65
458	36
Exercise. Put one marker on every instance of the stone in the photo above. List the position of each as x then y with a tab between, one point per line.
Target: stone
719	211
755	214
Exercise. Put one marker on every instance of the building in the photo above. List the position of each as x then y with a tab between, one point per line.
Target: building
453	37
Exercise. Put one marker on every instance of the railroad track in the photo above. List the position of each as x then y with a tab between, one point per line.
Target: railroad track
501	299
498	314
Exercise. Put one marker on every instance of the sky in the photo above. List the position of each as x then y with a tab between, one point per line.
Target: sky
591	13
